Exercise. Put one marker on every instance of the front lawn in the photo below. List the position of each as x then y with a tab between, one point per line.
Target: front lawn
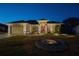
25	46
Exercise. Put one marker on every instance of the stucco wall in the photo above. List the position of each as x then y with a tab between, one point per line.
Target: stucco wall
17	29
52	27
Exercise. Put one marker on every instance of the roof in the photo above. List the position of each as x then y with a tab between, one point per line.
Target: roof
52	22
20	21
32	21
23	21
3	25
43	19
3	28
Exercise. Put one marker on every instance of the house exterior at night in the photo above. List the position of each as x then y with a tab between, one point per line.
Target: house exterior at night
42	26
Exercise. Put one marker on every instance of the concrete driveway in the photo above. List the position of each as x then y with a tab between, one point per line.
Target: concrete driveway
3	35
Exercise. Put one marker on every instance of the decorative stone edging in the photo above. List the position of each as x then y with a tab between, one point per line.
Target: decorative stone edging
59	46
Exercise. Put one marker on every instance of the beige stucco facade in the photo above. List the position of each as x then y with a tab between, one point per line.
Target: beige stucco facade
26	28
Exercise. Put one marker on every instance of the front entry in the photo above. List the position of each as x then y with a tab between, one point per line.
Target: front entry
43	28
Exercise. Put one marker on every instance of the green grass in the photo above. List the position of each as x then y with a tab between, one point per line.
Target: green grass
25	46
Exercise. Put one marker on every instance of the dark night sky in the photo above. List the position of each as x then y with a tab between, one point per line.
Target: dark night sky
56	12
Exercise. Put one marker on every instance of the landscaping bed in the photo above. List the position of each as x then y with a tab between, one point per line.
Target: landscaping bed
25	46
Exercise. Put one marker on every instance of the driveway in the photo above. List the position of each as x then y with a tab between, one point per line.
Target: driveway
3	35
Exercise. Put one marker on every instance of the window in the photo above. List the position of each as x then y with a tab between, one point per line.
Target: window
34	29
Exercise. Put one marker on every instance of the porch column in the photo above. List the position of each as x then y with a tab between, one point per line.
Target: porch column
9	30
59	28
24	29
30	32
39	29
45	29
54	28
51	29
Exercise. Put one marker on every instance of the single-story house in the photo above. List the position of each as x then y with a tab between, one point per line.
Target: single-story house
33	27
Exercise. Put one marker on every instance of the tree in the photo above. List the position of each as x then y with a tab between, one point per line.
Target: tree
69	25
72	21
